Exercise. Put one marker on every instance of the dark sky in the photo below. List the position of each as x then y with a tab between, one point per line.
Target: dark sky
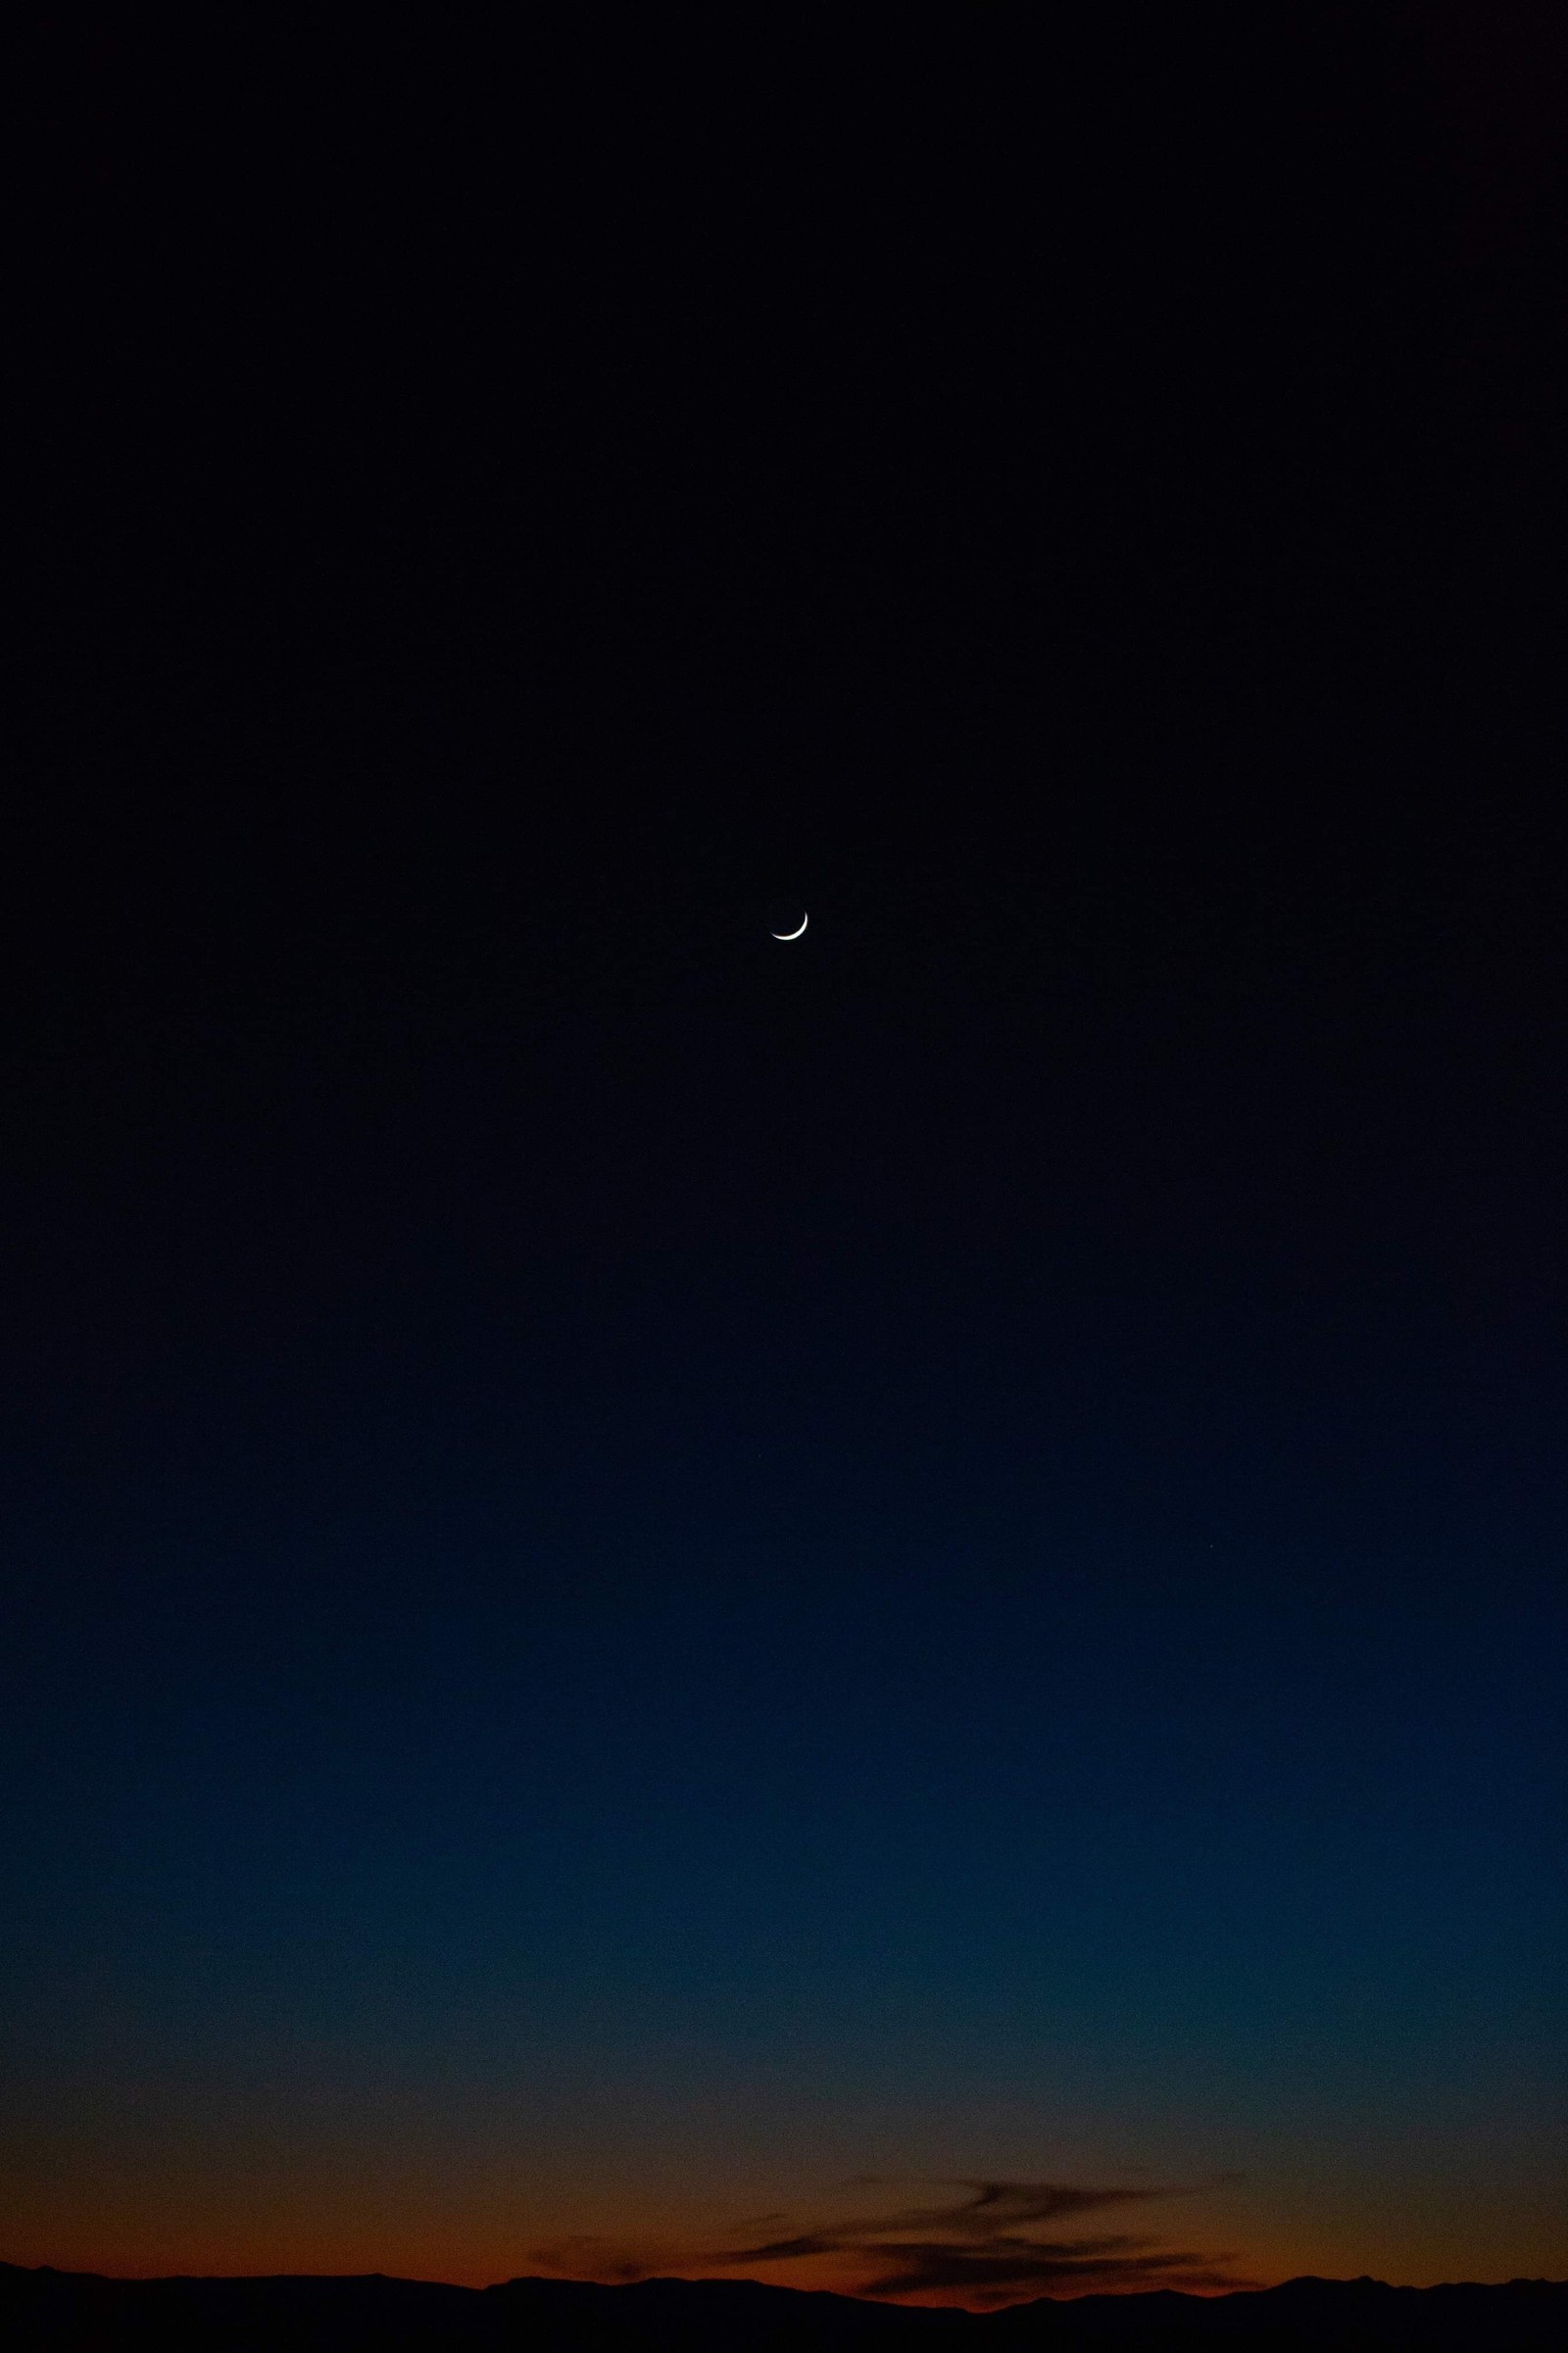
656	1579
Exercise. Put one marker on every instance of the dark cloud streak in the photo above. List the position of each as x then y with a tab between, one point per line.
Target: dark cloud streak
982	2249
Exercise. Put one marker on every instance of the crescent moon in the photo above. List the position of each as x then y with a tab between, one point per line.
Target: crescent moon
793	935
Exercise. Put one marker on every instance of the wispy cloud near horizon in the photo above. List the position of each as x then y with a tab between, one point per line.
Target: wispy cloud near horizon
1000	2243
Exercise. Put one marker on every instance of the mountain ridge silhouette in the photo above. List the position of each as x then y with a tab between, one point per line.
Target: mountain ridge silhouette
84	2312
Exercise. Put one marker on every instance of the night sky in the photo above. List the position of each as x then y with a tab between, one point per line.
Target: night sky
884	1611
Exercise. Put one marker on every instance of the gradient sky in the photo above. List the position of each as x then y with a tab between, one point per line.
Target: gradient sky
881	1613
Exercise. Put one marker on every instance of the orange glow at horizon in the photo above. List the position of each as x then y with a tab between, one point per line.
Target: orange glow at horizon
481	2241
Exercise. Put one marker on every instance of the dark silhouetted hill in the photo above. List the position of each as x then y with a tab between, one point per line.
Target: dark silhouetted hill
77	2312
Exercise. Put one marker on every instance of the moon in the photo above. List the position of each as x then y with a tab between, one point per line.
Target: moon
793	935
